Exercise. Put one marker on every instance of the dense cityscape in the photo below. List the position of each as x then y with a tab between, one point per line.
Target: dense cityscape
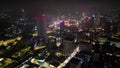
60	35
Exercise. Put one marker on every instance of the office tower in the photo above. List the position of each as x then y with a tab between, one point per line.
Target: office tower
41	26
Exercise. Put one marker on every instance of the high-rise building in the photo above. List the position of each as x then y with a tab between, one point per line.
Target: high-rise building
115	15
41	26
23	15
62	26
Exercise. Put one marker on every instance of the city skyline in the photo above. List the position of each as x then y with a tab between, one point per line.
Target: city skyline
33	7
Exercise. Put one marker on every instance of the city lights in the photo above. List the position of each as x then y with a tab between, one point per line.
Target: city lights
60	34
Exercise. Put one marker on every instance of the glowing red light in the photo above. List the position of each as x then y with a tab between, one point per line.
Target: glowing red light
41	16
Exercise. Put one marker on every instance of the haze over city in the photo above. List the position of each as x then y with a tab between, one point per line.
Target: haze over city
59	34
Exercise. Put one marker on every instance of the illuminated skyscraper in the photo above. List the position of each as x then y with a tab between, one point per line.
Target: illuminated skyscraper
62	25
41	26
23	15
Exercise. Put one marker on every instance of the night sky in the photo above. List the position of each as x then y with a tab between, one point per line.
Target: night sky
36	6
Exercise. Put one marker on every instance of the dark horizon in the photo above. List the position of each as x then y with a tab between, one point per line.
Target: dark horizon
33	7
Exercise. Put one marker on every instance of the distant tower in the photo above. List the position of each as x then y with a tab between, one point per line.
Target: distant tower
41	26
84	15
62	26
98	19
23	17
23	12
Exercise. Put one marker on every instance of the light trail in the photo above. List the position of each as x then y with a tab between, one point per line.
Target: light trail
69	58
